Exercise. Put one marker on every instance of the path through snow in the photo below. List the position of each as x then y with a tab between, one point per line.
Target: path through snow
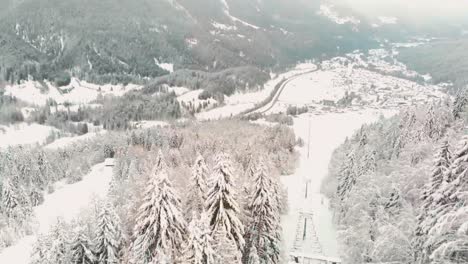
66	203
327	132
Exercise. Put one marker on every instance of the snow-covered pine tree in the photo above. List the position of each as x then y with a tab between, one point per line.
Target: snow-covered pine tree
160	225
430	128
430	198
408	127
347	177
226	247
368	163
197	188
199	247
40	249
10	198
394	202
447	237
442	163
461	100
82	251
108	236
222	206
44	168
54	247
261	232
404	133
253	256
160	162
363	139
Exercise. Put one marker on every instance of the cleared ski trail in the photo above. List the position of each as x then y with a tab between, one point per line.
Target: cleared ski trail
327	132
65	203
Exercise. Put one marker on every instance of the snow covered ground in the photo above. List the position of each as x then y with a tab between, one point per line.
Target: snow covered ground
24	134
68	141
327	131
65	203
240	102
348	76
77	92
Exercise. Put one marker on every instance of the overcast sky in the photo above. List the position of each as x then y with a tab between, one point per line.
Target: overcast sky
417	8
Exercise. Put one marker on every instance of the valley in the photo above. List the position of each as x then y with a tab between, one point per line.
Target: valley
233	131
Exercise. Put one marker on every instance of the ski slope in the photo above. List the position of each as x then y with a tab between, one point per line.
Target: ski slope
65	203
327	132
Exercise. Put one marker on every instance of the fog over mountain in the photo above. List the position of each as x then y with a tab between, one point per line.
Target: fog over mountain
233	131
417	8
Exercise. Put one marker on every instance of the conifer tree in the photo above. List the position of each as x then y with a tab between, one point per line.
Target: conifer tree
430	128
446	237
459	104
222	206
430	198
160	226
199	248
54	247
109	236
261	232
347	177
198	187
226	247
82	250
253	256
10	198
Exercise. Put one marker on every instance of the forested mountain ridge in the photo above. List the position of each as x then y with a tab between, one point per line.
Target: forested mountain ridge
124	40
398	187
434	59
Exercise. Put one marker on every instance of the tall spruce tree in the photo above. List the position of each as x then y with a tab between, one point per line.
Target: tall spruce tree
109	236
82	251
430	199
222	206
253	256
226	247
347	177
10	198
197	188
447	238
160	225
261	232
461	100
199	248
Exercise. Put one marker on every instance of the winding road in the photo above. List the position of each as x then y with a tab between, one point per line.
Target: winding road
270	102
308	230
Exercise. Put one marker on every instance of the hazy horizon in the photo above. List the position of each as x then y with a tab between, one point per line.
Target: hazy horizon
414	9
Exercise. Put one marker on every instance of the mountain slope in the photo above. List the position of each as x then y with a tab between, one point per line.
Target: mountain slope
126	40
106	40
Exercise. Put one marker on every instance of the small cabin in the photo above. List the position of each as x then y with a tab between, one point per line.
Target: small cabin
109	162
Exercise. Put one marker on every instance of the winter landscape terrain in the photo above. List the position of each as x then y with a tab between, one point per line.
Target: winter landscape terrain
249	132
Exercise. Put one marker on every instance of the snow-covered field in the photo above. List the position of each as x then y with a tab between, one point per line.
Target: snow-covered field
66	204
69	141
240	102
77	92
24	134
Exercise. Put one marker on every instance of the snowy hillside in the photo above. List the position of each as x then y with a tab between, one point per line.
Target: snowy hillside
24	134
60	205
77	92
